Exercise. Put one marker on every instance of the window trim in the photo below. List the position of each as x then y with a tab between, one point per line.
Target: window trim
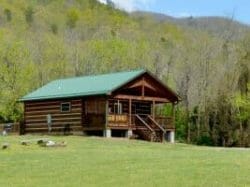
63	103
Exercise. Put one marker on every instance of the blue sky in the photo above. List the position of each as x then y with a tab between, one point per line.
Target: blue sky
240	9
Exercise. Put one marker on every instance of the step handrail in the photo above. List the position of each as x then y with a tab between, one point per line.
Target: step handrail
159	126
144	123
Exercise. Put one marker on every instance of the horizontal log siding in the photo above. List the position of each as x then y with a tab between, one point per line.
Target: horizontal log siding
36	115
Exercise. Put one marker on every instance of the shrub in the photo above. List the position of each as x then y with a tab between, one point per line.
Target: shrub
205	140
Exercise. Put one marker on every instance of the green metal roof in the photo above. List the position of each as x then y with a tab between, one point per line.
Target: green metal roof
83	86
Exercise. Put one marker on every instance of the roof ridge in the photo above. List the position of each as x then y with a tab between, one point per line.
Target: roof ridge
95	75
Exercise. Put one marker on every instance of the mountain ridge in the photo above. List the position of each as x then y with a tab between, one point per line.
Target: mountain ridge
212	24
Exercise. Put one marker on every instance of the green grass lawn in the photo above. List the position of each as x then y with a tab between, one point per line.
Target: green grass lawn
89	161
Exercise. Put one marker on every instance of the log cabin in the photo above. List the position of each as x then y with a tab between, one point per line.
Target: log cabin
115	104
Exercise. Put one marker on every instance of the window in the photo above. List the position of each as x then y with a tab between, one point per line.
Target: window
65	107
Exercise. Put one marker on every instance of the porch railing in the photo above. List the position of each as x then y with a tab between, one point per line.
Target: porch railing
118	119
124	120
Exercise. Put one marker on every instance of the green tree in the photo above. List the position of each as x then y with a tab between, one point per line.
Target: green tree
72	17
15	75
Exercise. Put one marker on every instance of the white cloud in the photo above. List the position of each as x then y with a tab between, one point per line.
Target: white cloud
131	5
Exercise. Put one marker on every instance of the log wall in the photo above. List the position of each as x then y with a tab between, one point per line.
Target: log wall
35	116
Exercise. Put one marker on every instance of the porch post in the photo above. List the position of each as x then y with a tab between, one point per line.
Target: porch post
129	133
153	110
130	111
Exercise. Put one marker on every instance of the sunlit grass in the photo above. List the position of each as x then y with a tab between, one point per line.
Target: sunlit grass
88	161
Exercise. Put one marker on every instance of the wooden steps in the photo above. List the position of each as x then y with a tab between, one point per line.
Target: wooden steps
148	129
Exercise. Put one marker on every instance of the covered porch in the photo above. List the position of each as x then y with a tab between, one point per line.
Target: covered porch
136	116
123	112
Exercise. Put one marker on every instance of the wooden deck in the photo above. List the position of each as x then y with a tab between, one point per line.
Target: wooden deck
123	120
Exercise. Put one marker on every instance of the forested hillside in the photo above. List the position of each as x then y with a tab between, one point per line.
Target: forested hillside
42	40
